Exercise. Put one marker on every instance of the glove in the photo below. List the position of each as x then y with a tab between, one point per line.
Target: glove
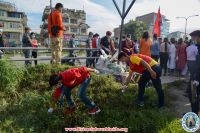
124	87
96	71
50	110
196	83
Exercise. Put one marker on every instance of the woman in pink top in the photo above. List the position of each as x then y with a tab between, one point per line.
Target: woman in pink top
34	45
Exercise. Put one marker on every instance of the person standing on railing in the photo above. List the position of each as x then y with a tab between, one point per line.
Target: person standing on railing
26	42
55	29
34	45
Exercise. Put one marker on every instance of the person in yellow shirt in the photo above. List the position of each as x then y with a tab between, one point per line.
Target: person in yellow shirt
149	69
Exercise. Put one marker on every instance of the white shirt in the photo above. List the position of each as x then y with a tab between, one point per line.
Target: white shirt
192	52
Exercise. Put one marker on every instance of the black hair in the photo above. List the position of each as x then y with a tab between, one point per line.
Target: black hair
32	33
166	40
54	80
59	5
122	54
123	37
145	35
180	41
172	40
128	36
27	28
155	36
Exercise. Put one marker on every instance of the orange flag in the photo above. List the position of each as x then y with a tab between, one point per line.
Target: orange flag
158	23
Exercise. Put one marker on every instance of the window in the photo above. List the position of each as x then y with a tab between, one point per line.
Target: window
15	25
1	13
74	30
83	30
14	14
66	20
73	21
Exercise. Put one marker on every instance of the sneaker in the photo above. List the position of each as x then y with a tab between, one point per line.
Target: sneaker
70	110
94	111
140	103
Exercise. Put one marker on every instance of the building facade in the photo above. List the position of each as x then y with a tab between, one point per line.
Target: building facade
149	20
73	20
12	23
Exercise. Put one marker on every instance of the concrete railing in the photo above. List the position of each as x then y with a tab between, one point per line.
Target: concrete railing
46	57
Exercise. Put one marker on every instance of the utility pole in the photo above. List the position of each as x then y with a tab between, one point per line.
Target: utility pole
123	15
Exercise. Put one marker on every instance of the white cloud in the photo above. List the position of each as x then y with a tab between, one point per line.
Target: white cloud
102	18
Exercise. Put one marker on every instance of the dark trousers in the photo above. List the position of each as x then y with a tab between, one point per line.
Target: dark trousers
191	68
94	61
155	57
81	94
34	55
163	61
89	61
156	83
27	55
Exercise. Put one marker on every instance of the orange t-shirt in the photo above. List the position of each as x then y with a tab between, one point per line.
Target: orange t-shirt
145	47
56	21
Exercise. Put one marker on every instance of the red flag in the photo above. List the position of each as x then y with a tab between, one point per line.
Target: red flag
158	23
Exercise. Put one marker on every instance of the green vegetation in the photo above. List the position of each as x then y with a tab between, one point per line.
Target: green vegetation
135	29
26	111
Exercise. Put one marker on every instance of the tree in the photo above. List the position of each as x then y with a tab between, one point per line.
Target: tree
135	29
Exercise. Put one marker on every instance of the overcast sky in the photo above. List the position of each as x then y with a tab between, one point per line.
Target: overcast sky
102	15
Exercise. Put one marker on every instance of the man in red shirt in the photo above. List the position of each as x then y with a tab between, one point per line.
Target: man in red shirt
70	79
149	69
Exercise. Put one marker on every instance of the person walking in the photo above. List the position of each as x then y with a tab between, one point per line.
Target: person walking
164	55
145	44
55	29
26	42
89	52
181	57
34	45
155	48
172	57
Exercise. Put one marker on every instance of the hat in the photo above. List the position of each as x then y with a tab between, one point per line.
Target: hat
109	33
195	33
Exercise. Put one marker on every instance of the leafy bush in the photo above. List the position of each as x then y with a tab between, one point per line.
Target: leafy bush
10	76
28	113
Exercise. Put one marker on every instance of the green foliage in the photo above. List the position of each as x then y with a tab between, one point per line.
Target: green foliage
135	29
10	76
28	112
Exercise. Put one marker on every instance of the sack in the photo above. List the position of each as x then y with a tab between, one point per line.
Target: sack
54	30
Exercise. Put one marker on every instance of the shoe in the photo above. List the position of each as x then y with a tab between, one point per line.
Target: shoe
94	111
140	103
70	110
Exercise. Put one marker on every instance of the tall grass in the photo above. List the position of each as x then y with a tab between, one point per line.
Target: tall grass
28	112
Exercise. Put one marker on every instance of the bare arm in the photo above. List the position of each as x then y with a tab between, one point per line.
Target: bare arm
128	79
148	67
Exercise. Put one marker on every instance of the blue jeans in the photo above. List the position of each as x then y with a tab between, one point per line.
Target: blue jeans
81	95
27	54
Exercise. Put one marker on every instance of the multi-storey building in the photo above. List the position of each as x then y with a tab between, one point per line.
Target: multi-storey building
149	20
73	20
12	23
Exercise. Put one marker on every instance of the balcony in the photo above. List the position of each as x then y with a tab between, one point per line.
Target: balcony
13	19
19	30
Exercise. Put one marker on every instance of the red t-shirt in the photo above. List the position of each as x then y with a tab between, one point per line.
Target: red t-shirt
94	42
74	76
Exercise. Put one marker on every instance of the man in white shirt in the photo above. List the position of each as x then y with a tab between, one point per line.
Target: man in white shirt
191	52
